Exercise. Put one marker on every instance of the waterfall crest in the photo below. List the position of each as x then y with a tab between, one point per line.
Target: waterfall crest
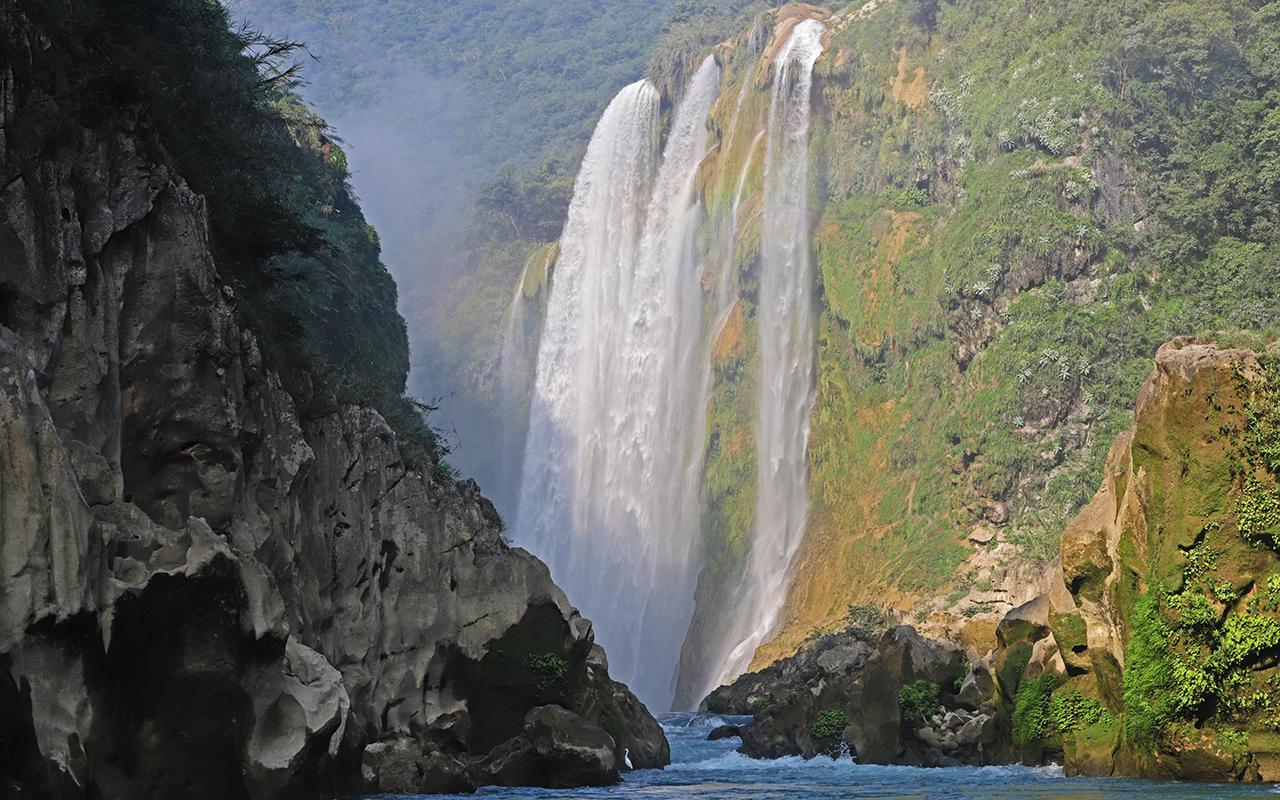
609	495
786	342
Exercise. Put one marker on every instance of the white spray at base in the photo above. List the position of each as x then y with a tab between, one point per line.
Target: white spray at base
786	331
609	495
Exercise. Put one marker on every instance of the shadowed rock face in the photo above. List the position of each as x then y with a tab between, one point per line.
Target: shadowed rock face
201	593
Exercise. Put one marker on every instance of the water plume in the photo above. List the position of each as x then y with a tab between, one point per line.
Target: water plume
609	495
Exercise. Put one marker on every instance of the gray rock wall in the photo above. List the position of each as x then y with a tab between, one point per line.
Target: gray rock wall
201	593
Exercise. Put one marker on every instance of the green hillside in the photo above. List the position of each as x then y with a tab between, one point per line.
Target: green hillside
1017	204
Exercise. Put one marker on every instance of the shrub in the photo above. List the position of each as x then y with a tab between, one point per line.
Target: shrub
1032	719
549	669
829	723
918	700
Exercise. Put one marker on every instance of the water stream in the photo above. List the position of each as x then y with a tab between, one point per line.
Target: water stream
786	353
712	770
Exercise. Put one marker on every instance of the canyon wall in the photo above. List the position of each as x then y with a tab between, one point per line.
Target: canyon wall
205	591
1153	652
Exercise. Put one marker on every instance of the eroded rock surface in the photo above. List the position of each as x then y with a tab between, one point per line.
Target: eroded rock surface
203	593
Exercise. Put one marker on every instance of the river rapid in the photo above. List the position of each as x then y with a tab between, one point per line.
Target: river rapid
702	769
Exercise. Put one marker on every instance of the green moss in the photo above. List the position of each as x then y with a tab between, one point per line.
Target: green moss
1010	673
1069	631
1032	717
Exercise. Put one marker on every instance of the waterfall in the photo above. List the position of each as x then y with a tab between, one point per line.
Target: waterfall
609	495
786	344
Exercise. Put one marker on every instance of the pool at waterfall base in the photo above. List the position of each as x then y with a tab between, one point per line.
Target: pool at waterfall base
703	769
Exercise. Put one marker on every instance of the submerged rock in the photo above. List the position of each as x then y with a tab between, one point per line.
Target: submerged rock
723	732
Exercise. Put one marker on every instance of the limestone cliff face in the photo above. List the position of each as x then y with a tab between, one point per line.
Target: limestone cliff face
201	592
1174	571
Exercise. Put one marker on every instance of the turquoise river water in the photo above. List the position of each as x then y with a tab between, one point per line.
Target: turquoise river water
713	770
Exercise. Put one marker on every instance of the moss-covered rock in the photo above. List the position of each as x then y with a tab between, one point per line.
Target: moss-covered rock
1178	603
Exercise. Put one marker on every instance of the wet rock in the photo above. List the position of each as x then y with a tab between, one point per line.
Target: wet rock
445	774
576	752
723	732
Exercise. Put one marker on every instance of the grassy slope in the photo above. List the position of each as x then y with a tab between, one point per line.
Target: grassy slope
1008	222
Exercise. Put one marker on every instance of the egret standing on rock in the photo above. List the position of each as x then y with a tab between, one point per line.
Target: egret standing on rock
626	758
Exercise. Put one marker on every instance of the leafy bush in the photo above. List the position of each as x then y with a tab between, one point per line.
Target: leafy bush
917	701
549	669
829	723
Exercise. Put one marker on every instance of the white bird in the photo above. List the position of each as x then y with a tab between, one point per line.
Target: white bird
626	758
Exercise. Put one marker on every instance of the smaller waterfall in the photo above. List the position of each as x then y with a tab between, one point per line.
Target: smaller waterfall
786	335
512	363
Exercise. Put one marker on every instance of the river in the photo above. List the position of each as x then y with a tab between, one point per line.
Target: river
702	769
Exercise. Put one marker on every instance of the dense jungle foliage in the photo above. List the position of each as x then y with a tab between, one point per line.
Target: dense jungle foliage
287	233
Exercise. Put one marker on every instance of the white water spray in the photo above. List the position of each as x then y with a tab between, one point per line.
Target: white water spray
609	496
786	353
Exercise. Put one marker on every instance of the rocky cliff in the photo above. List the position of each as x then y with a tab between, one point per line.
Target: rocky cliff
1153	653
1173	569
204	592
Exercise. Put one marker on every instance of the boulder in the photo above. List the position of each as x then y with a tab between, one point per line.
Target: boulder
576	752
445	774
515	762
978	687
840	661
874	719
724	732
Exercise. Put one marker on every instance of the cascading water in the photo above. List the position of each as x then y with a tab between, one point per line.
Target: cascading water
786	346
609	496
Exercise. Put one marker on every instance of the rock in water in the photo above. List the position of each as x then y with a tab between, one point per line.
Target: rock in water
576	752
723	732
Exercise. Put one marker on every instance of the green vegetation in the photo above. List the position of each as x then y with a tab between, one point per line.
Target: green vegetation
1072	711
829	723
917	701
541	73
1202	644
993	293
1258	505
549	670
1032	715
286	231
866	623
